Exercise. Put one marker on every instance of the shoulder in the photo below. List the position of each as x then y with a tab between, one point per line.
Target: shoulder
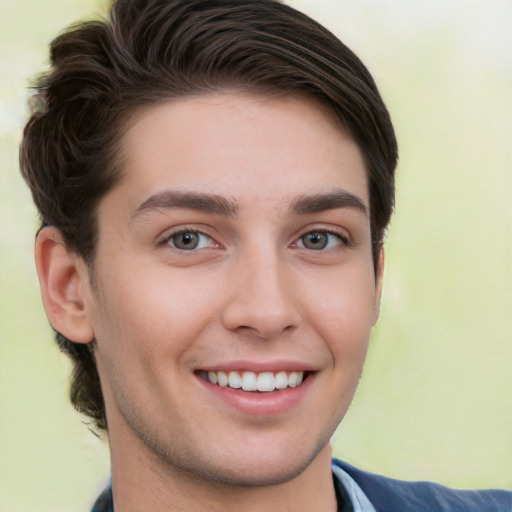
390	495
105	502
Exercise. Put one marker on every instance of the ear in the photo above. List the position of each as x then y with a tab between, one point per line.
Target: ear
63	277
379	278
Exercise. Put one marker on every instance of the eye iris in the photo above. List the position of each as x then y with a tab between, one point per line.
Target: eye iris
315	240
187	241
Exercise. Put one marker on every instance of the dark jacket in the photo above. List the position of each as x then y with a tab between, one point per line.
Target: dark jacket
390	495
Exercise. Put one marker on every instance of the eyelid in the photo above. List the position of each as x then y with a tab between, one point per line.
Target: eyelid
339	233
165	237
163	240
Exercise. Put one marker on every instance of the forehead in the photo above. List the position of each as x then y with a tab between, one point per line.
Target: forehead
241	146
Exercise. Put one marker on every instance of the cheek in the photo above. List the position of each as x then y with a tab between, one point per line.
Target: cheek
144	330
152	313
342	310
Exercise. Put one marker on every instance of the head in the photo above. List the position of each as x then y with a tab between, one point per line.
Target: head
104	74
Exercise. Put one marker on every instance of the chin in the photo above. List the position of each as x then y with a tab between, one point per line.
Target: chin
251	470
256	473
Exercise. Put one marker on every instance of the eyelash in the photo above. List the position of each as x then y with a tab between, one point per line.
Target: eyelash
167	240
343	240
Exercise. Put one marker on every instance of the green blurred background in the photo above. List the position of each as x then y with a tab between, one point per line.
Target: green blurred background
435	401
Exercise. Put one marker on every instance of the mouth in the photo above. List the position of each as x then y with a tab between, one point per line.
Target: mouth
256	382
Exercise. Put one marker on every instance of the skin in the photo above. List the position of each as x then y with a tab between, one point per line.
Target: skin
253	295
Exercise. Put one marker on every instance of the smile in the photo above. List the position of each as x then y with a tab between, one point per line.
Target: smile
263	382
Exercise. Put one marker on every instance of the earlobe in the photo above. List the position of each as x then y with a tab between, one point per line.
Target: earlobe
63	278
379	278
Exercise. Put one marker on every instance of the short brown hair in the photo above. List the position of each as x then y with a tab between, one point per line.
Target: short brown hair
149	51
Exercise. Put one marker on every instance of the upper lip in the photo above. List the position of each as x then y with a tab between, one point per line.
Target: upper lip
258	367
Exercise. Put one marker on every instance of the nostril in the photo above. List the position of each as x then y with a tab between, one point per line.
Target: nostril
266	331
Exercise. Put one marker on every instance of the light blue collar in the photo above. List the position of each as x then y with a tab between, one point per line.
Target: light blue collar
359	500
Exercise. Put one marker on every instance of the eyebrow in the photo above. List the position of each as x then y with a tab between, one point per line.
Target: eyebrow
327	201
219	205
207	203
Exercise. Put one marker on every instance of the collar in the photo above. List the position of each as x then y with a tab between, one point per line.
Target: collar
350	496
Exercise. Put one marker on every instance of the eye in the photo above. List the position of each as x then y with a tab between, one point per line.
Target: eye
321	240
189	240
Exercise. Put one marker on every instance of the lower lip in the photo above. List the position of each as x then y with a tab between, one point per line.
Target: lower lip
262	404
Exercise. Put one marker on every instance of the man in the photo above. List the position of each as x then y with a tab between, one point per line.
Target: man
214	179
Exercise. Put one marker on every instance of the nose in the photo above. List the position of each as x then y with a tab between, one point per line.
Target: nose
263	298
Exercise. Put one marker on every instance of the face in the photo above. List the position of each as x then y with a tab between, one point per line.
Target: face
234	290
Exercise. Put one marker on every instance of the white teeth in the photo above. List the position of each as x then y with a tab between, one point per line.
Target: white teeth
235	380
249	381
266	382
263	382
293	380
222	379
281	380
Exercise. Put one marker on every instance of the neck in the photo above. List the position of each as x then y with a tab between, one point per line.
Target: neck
140	485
